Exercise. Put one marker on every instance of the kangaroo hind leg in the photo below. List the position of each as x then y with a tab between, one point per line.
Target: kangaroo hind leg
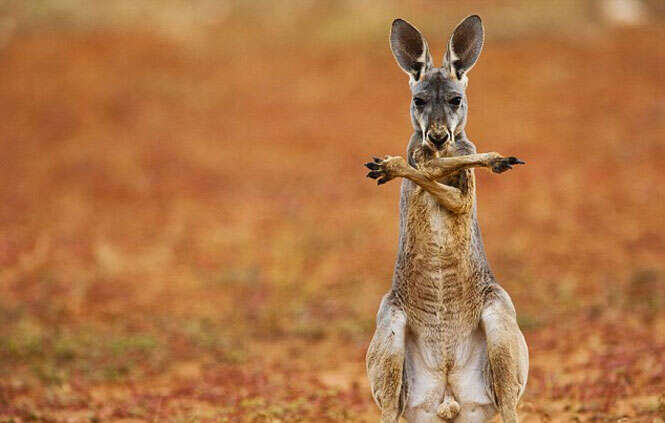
507	353
385	360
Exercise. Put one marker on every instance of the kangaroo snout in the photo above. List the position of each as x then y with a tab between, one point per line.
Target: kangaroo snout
438	139
438	135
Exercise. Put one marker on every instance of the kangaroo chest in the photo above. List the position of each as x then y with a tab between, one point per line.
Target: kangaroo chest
434	275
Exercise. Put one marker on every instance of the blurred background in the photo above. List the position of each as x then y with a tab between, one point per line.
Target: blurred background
187	233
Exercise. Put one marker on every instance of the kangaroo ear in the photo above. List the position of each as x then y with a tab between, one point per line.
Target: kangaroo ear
410	49
464	47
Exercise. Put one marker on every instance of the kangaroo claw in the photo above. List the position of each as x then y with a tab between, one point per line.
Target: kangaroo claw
514	160
375	174
373	166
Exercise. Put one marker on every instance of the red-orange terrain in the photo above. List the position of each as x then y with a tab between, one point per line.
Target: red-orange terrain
187	233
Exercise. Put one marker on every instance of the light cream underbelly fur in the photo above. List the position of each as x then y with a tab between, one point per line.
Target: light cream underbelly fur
466	380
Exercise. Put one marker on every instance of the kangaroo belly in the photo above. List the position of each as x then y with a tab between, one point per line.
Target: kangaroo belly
461	372
426	381
468	378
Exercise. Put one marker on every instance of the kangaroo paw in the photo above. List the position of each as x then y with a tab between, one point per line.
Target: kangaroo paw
502	164
386	169
448	409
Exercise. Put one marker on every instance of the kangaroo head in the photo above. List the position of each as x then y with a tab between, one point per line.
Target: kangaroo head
439	105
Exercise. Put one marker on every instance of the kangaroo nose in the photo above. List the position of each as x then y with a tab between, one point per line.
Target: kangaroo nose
438	138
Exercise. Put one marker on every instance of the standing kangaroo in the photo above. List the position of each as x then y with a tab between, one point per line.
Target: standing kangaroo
447	344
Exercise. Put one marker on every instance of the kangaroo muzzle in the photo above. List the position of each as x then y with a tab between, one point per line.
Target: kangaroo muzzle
438	135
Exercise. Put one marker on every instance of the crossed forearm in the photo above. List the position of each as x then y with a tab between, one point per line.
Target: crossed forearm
445	166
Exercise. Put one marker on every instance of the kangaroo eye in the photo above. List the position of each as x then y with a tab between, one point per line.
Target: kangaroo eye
456	101
419	102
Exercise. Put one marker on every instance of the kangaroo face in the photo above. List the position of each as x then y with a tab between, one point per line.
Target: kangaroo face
438	106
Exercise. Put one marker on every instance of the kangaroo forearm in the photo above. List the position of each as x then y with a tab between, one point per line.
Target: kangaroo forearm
449	197
444	166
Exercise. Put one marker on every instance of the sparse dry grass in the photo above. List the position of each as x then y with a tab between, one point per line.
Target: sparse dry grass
186	234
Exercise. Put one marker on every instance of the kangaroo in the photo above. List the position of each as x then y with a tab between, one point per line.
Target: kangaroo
447	345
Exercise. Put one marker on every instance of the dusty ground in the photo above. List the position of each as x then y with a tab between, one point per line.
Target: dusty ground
186	233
